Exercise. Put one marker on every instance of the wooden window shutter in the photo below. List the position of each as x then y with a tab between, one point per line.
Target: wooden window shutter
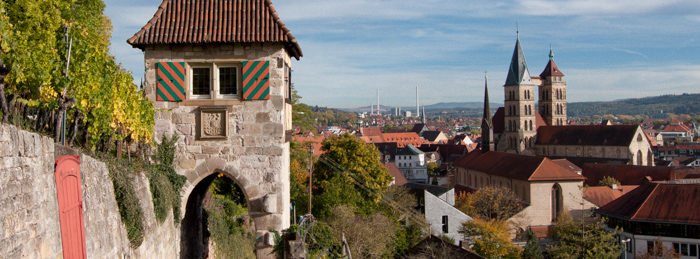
171	81
256	80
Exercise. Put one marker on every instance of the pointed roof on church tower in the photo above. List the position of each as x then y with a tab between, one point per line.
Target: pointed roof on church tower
518	73
551	69
486	123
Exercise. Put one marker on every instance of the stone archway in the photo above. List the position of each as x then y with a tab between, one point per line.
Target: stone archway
262	208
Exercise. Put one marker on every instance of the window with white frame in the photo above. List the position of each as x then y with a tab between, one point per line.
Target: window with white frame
214	81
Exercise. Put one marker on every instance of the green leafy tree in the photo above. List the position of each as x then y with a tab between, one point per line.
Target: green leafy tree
608	181
583	240
434	168
532	248
489	238
348	173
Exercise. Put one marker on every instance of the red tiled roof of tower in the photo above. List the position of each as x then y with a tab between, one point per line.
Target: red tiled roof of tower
215	21
551	70
591	135
523	167
658	202
633	174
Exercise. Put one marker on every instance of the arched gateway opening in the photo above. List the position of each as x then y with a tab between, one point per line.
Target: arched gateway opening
207	220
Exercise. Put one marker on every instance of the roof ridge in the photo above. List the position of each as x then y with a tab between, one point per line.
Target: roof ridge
645	200
169	25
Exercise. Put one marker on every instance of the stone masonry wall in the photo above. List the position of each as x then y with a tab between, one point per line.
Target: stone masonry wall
29	223
105	234
29	219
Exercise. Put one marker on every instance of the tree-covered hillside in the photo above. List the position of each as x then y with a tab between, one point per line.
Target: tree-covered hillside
677	104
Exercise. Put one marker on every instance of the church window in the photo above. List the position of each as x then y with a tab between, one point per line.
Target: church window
557	201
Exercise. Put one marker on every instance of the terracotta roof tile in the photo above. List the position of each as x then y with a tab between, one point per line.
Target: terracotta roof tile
399	178
601	195
215	21
523	167
658	202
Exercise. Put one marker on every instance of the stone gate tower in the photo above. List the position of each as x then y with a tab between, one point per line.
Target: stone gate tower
520	128
219	75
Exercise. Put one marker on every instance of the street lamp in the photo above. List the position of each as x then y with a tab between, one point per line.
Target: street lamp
624	247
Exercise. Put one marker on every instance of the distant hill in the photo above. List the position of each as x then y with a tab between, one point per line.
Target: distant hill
676	104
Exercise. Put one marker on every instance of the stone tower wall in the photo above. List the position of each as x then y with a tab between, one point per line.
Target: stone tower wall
255	152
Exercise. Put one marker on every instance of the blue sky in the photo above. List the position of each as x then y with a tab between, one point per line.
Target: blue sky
353	48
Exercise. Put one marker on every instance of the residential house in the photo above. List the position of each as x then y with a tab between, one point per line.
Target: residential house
666	210
434	136
669	152
677	131
411	161
437	204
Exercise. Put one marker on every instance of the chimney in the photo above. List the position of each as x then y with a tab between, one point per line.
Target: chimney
614	186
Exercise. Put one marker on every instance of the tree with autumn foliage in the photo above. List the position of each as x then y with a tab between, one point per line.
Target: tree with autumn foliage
490	238
489	203
37	39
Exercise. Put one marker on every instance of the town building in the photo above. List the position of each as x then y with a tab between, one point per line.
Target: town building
545	186
665	210
437	203
411	162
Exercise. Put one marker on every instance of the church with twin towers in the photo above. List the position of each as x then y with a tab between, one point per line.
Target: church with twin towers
513	127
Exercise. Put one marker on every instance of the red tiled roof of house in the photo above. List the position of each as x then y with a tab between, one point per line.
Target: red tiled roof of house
371	131
658	202
399	178
632	174
588	135
403	139
676	128
601	195
215	21
523	167
314	141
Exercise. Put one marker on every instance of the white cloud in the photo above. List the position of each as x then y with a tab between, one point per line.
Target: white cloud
593	7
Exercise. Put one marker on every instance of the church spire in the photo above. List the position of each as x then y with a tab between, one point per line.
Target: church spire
518	73
486	124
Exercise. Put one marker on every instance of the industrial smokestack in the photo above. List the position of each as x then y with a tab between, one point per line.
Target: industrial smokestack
378	113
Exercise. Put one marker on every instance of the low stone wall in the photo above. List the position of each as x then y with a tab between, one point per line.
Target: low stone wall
29	223
29	219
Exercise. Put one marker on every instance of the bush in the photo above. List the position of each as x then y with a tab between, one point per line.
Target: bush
129	208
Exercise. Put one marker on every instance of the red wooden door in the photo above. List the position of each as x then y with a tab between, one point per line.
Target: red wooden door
70	207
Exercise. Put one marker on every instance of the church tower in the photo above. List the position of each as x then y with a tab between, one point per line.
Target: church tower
520	124
552	92
486	124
